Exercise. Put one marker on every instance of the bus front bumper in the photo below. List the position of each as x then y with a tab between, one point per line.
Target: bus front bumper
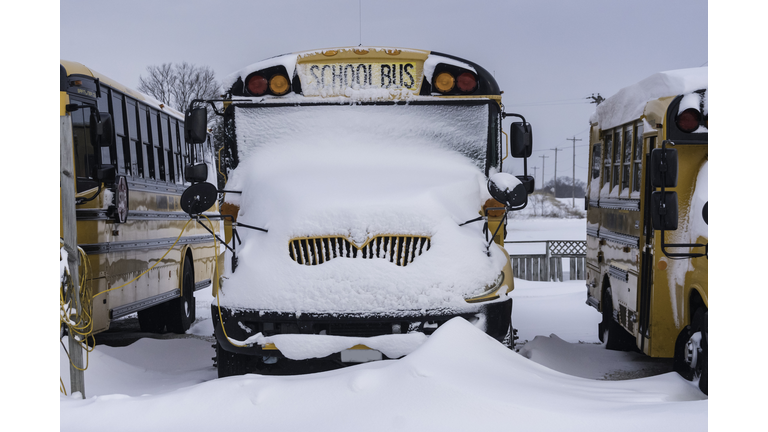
235	326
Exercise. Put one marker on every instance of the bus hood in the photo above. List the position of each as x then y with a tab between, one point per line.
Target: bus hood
357	192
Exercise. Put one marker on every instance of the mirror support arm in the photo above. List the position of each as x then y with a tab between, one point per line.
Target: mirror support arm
662	211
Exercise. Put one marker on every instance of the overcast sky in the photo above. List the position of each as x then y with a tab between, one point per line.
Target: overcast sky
548	56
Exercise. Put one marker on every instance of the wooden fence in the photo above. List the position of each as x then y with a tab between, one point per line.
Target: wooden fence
548	266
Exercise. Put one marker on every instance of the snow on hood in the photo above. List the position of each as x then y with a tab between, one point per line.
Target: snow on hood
357	185
628	103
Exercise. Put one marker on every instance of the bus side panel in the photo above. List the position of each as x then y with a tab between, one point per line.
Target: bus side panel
673	280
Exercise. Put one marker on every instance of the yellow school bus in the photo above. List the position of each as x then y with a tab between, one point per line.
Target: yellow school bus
137	251
373	177
647	219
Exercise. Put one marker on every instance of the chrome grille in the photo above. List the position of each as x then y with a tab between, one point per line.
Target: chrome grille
400	250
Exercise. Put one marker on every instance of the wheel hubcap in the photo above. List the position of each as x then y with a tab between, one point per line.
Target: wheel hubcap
692	350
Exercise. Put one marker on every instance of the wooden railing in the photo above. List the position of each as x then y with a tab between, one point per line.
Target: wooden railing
548	266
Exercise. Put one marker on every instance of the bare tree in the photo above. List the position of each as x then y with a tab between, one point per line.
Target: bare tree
176	85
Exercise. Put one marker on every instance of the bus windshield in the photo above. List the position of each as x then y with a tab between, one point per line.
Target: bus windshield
461	128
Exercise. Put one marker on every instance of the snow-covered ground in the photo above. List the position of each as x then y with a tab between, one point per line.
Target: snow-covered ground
460	379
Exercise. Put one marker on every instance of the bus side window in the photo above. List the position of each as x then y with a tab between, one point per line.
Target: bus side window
596	160
168	148
626	159
638	158
606	180
121	144
85	160
162	128
137	165
148	155
108	155
152	120
176	152
184	157
616	158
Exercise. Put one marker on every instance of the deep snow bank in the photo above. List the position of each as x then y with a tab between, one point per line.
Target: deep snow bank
460	379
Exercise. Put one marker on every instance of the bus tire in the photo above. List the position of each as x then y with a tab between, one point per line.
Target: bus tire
182	310
233	364
152	320
691	351
509	338
613	336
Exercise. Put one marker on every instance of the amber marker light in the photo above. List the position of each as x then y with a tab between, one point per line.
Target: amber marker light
257	85
444	82
279	85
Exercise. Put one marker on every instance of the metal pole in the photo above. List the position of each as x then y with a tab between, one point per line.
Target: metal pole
543	179
556	150
573	179
69	222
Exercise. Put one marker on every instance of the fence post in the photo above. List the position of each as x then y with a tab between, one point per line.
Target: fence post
572	268
528	268
547	266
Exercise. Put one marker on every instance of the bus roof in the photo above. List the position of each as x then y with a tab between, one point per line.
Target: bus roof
629	103
378	54
75	68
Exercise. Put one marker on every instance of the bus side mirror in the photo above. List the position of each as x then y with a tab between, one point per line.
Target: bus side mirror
196	173
664	211
521	140
102	130
507	189
198	198
664	167
529	182
106	174
196	125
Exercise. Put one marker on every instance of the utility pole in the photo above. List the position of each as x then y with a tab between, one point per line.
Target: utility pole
573	185
534	171
556	150
67	181
542	169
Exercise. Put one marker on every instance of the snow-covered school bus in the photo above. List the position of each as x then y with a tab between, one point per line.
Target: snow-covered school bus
124	160
647	237
370	205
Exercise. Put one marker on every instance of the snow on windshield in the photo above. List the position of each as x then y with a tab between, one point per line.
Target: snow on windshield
463	129
339	170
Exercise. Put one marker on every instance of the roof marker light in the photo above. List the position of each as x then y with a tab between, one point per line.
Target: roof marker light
279	85
444	82
257	85
688	120
467	82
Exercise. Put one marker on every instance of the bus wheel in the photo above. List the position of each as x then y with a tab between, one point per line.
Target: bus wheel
182	310
510	337
691	351
152	320
611	333
232	364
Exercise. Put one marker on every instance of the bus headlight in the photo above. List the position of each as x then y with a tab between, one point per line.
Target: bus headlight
490	292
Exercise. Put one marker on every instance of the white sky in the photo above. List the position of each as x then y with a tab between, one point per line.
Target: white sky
548	56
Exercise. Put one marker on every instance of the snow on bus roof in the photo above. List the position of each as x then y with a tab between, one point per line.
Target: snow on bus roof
628	103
